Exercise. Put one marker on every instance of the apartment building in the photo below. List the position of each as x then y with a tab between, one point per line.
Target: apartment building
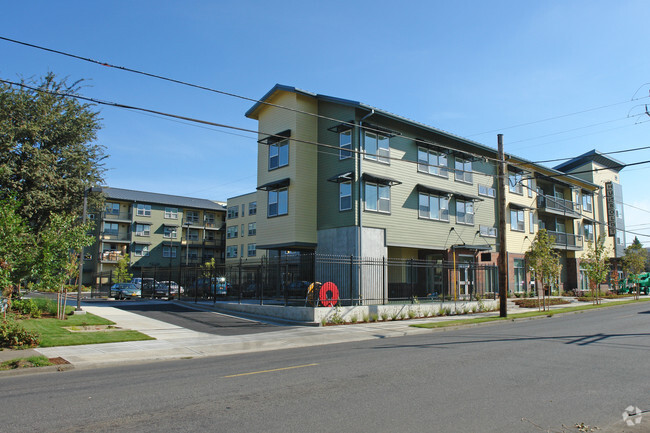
155	230
241	228
340	177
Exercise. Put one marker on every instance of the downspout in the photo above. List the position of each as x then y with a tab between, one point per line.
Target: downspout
359	183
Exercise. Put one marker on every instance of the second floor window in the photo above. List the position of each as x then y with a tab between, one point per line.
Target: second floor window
192	216
169	252
345	195
345	143
587	202
376	147
231	232
141	250
252	229
143	210
171	213
377	197
278	202
112	208
433	207
193	235
589	232
432	162
111	229
278	154
169	232
252	208
515	183
231	252
517	222
463	170
251	250
464	212
233	212
142	229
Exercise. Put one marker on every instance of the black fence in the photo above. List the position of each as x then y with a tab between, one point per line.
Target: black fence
313	279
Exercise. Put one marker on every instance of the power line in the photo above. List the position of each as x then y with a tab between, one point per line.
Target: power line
601	153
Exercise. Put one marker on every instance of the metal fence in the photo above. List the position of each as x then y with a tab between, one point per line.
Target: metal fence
286	280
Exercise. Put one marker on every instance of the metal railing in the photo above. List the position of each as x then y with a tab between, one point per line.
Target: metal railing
558	205
564	240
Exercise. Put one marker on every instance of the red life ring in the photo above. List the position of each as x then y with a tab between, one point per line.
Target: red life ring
329	294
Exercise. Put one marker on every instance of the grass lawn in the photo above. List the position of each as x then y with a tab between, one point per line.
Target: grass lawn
52	332
32	361
522	315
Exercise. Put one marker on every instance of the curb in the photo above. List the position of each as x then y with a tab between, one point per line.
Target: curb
36	370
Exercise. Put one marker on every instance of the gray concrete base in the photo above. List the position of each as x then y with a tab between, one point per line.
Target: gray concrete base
75	312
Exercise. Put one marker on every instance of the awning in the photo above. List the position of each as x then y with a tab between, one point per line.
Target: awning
467	196
275	184
343	177
432	146
380	130
342	127
590	219
171	225
433	190
275	137
471	247
380	179
519	206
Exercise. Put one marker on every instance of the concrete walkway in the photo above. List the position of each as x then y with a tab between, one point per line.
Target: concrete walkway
174	342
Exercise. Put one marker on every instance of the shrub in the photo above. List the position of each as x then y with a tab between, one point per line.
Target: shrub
373	317
26	307
353	318
412	314
13	335
366	318
384	316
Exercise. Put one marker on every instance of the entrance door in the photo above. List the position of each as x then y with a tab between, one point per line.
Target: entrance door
465	276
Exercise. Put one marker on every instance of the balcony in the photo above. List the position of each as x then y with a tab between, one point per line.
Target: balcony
111	256
558	206
117	216
566	241
114	237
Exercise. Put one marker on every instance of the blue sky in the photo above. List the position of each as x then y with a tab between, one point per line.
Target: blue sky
473	68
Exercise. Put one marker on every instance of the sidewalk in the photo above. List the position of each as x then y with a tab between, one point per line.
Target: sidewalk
174	342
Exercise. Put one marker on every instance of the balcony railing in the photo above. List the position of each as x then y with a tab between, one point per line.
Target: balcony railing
117	215
111	256
566	240
558	205
112	236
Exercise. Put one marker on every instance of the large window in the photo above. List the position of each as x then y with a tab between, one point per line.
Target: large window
169	252
142	229
169	232
193	235
252	229
171	212
464	212
143	209
345	195
432	162
233	212
589	232
251	250
278	154
140	250
515	183
111	229
209	219
192	216
231	252
377	197
112	208
517	221
587	202
210	235
278	202
345	143
252	208
376	147
433	207
463	170
487	191
520	275
231	232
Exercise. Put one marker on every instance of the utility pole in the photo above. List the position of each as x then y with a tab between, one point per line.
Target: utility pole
502	262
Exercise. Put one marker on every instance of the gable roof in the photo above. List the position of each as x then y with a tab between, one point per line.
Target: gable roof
157	198
592	155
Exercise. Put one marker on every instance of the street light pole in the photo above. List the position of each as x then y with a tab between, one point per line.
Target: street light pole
78	310
187	243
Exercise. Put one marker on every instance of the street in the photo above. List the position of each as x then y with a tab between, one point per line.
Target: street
524	376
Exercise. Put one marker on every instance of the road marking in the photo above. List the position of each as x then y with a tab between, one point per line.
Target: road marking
270	371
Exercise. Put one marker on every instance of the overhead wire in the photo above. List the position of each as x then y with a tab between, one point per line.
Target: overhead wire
600	153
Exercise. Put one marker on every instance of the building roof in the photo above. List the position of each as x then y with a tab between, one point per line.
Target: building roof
153	197
252	113
592	155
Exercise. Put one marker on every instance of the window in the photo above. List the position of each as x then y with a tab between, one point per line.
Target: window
517	221
242	250
251	250
140	250
231	232
345	195
231	252
464	212
169	252
171	212
111	229
531	222
193	235
345	143
531	187
487	191
589	232
142	229
278	154
193	254
143	210
252	208
587	202
192	216
243	233
169	232
278	202
433	207
520	275
515	184
488	232
619	210
463	170
377	197
112	208
243	209
233	212
209	219
376	147
432	162
252	229
210	235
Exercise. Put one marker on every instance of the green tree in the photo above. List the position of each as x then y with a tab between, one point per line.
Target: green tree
16	246
543	262
122	274
48	154
596	266
634	263
59	244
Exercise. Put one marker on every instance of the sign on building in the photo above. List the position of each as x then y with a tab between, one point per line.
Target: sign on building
611	209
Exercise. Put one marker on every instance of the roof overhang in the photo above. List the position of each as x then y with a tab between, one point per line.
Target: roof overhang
275	184
383	180
348	176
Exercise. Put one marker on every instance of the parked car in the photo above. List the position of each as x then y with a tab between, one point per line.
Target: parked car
298	289
167	289
125	291
217	286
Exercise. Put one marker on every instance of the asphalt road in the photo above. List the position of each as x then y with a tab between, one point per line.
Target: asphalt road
528	376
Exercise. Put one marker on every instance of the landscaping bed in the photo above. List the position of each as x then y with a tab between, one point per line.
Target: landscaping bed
534	302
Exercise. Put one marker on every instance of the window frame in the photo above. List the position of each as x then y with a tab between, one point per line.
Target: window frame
378	199
442	211
523	220
252	208
515	183
171	213
142	209
252	229
229	252
587	202
277	195
380	154
192	216
462	173
232	212
143	251
232	232
489	191
465	204
439	170
279	150
343	196
115	206
254	250
145	229
345	148
166	252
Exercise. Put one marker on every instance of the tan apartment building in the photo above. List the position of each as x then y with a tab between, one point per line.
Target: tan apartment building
241	229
